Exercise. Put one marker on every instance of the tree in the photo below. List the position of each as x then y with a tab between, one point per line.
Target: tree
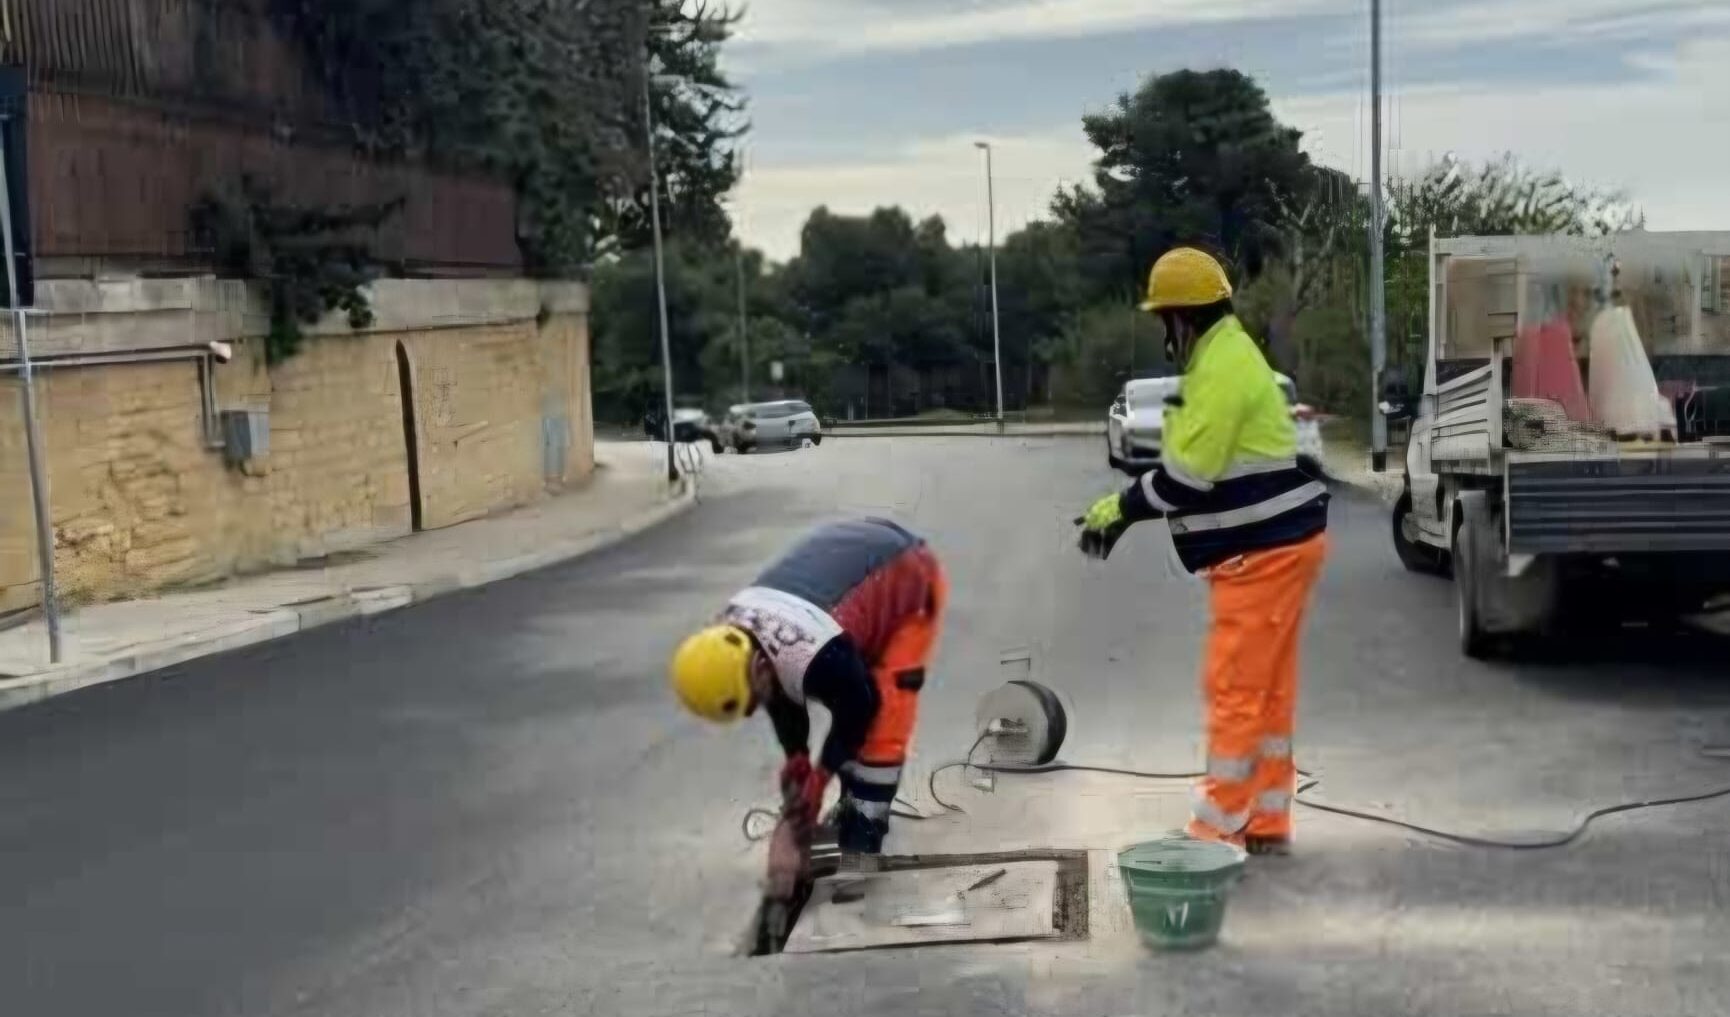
544	93
698	120
1040	286
1193	157
1500	197
1100	347
892	300
1319	221
626	329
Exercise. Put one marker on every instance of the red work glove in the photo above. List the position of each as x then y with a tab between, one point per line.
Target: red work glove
795	774
802	787
815	785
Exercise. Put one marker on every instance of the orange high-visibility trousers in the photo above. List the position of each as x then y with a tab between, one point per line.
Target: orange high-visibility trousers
869	784
899	673
1258	601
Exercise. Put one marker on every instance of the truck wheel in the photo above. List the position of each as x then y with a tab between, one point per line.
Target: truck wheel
1415	555
1474	639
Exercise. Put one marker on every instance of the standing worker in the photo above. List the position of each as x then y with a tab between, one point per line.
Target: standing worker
848	617
1248	520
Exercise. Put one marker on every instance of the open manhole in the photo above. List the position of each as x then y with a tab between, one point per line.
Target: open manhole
932	900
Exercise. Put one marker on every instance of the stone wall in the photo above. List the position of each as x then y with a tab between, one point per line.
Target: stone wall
141	502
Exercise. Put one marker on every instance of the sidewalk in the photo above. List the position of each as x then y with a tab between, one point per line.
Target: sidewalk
1348	463
108	642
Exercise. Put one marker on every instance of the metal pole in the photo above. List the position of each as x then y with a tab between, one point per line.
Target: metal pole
32	434
744	331
1378	305
991	236
660	273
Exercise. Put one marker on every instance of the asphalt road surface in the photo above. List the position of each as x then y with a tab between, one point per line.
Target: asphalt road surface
489	804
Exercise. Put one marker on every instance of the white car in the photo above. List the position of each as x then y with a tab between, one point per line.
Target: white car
786	423
1135	425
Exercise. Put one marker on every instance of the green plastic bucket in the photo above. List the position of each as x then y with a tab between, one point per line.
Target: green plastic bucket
1177	889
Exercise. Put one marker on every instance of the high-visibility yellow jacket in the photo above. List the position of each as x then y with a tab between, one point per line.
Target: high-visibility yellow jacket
1228	481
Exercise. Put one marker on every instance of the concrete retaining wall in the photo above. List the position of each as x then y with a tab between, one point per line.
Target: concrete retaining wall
499	400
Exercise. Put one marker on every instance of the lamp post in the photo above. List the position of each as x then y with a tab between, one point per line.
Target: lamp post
991	235
660	272
744	331
1378	297
32	429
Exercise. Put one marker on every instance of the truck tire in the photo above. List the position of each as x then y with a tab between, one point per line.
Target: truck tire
1475	640
1414	555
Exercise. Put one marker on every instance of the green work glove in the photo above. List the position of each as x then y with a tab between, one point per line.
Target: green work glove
1102	526
1105	513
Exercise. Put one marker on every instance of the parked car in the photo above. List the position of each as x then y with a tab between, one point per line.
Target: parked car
1135	425
784	423
690	424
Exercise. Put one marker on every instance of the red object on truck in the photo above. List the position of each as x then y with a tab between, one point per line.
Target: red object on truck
1545	368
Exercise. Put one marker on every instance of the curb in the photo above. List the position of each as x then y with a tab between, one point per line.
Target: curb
1356	489
292	619
964	430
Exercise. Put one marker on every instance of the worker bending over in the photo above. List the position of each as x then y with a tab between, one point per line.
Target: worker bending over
1247	519
848	617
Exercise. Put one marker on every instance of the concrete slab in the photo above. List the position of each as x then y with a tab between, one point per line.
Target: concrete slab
920	907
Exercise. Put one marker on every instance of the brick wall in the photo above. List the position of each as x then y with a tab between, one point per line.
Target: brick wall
502	414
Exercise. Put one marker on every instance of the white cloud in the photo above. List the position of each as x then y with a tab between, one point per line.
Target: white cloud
1663	139
1484	21
932	176
852	27
808	28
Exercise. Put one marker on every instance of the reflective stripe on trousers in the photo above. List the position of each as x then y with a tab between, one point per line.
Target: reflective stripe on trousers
884	775
1234	769
868	783
1258	603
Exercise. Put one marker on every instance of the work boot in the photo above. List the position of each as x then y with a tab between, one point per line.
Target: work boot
1267	845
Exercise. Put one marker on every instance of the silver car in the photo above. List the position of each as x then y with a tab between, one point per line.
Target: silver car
1135	425
785	423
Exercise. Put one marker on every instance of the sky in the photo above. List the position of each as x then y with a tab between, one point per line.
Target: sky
856	104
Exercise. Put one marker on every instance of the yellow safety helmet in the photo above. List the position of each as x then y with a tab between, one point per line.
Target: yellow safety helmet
1185	277
711	673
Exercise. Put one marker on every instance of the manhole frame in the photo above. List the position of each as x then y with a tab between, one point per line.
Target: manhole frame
1069	907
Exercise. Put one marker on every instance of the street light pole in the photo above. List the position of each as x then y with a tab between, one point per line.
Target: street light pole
1378	305
991	234
32	432
744	332
660	272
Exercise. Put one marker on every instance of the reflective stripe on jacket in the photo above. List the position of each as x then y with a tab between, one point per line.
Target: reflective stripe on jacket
1228	480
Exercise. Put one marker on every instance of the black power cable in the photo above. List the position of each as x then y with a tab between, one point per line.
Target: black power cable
1311	781
754	828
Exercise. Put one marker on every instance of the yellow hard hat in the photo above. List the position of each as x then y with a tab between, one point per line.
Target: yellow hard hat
711	673
1185	277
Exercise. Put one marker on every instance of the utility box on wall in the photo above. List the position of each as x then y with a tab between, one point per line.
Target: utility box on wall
245	435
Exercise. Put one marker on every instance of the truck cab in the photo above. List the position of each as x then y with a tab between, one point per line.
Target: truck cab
1569	451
